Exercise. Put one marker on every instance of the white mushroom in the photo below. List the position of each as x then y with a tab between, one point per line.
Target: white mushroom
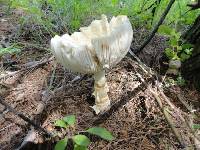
99	46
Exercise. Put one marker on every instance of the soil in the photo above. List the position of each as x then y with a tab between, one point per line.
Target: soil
135	119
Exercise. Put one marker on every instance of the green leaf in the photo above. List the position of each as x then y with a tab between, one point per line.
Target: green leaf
102	132
187	46
173	41
60	123
81	140
176	34
180	81
188	51
61	145
196	126
75	24
184	57
70	120
163	29
9	50
78	147
169	53
114	2
179	48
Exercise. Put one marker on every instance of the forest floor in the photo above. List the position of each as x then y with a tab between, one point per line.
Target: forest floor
31	82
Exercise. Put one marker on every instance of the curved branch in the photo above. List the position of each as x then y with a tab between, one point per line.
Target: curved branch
155	28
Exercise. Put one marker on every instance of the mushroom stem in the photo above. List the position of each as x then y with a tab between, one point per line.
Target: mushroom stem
102	101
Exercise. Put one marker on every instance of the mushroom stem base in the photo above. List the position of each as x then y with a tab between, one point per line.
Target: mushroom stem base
102	101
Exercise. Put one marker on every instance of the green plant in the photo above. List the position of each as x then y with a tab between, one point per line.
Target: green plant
43	19
177	50
80	141
178	81
196	126
179	14
13	49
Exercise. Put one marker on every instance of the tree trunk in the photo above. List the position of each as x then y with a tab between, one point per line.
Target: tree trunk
191	68
193	34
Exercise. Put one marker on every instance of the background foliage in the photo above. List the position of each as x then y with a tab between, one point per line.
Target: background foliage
60	16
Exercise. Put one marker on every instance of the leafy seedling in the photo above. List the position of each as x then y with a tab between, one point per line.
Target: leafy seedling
60	123
61	145
70	120
101	132
81	142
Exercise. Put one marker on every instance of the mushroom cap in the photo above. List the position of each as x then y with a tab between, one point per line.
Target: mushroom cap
100	45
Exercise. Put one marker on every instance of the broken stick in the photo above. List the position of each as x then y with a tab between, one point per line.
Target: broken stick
22	116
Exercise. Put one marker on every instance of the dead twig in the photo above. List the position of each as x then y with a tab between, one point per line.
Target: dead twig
37	46
193	111
184	102
30	137
180	115
22	116
145	68
34	65
158	99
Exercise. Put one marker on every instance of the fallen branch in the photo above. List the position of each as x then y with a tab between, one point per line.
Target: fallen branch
34	65
186	122
156	96
30	137
145	68
164	111
168	118
155	28
37	46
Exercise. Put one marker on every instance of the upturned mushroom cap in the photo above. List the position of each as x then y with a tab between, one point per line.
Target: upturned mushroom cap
100	45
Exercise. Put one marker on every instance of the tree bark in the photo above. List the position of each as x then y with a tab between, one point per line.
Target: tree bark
193	34
191	68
